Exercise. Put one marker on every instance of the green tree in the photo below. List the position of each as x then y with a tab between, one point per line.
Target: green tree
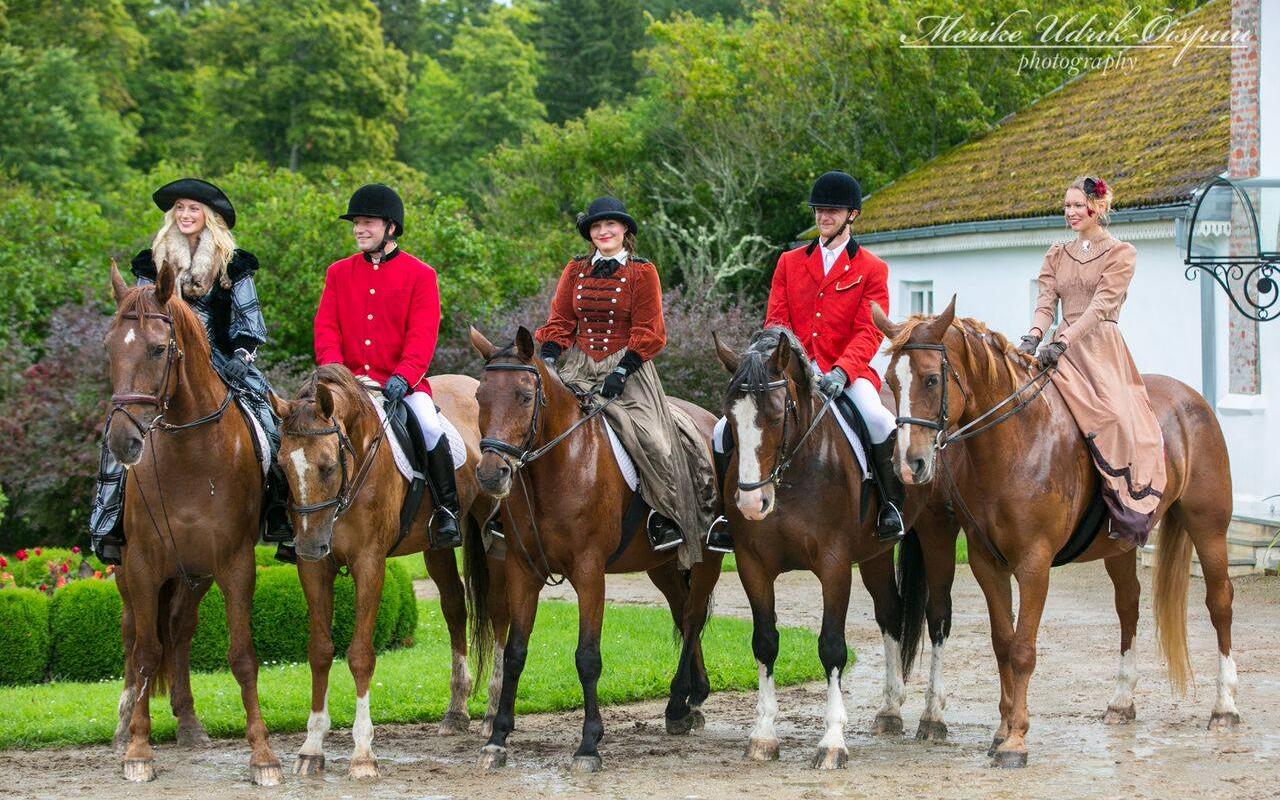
309	82
56	131
480	93
589	48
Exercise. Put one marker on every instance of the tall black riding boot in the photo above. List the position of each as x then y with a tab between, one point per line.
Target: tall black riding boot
106	517
444	532
719	540
276	526
889	524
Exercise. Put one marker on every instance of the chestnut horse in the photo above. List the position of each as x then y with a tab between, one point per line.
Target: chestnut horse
790	452
347	494
565	518
1022	485
192	504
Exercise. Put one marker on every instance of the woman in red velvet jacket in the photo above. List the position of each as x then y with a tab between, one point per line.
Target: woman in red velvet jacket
605	327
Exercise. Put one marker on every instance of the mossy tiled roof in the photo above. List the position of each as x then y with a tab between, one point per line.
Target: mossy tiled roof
1153	133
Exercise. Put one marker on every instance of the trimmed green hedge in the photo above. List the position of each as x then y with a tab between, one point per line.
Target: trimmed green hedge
84	622
24	635
76	635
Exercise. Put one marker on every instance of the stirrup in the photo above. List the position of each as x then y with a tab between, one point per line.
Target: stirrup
890	536
666	544
718	539
441	538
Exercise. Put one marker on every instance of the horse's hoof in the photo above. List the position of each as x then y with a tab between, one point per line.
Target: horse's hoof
689	722
996	741
1120	716
492	757
699	720
486	727
1224	721
1009	759
193	737
140	770
266	774
762	750
363	769
931	730
454	724
586	764
308	765
887	725
831	758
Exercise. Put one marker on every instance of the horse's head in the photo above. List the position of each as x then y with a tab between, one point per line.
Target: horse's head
771	384
146	359
926	389
510	397
317	456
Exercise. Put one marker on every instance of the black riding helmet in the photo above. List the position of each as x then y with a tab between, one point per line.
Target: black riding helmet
377	200
836	189
201	192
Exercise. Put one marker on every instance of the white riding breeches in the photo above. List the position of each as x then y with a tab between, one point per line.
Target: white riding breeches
424	408
880	420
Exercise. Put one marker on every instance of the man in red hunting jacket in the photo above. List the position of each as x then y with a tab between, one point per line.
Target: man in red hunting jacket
822	293
379	316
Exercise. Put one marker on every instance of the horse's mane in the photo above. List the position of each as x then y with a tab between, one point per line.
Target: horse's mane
753	369
187	327
338	378
995	349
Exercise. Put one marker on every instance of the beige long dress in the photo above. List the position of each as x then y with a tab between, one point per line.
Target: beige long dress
1097	377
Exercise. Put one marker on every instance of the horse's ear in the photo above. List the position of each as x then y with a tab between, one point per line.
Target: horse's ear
781	357
164	283
324	401
938	327
279	405
730	359
882	321
524	344
482	345
118	287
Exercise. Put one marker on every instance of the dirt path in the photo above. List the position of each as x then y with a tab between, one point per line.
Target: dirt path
1166	753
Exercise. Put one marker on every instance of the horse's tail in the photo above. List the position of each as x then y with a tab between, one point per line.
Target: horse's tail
476	567
164	631
1173	573
913	592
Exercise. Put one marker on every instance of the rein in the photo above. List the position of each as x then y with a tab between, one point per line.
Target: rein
517	457
782	464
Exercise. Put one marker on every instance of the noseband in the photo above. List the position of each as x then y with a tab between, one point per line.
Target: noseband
342	500
781	464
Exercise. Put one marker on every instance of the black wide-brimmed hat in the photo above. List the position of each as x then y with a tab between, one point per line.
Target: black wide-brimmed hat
376	200
198	190
604	208
836	189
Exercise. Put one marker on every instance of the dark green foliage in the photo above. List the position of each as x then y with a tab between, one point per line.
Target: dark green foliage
344	610
407	622
84	625
211	642
279	616
589	47
24	635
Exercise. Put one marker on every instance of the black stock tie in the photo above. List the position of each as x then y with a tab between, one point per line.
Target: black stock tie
604	267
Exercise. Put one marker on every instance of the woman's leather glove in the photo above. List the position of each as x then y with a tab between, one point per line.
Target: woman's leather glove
237	367
1050	355
614	383
1029	344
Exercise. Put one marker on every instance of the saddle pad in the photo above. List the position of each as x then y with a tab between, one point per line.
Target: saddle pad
259	435
457	447
625	464
854	441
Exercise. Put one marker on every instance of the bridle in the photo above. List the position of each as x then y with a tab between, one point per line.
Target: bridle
790	409
349	487
976	426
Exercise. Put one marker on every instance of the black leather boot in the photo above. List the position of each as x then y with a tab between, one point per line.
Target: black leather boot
663	532
889	523
276	526
106	517
445	532
719	540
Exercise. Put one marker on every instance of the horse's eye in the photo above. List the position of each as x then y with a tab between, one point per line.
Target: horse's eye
526	398
931	381
156	351
326	471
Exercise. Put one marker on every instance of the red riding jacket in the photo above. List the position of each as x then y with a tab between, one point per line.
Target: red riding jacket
380	319
831	314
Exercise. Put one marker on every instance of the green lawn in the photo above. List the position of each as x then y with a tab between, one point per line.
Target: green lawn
412	685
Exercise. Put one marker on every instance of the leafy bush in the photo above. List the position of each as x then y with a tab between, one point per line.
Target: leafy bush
84	626
279	616
344	610
24	635
407	622
50	567
211	642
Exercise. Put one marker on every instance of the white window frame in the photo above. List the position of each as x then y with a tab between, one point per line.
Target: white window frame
911	290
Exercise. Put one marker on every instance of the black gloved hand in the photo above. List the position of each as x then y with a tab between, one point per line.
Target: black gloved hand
833	382
1029	344
237	367
549	353
614	383
395	389
1050	355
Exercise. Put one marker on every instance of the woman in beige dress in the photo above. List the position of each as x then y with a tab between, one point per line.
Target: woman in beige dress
1096	375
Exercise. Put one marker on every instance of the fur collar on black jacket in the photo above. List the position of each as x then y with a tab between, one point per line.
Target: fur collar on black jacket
243	264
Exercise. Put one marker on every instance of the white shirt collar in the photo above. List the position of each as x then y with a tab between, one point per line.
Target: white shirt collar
621	256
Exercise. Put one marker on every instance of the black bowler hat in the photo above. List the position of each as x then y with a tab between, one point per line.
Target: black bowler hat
604	208
198	190
836	190
379	201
